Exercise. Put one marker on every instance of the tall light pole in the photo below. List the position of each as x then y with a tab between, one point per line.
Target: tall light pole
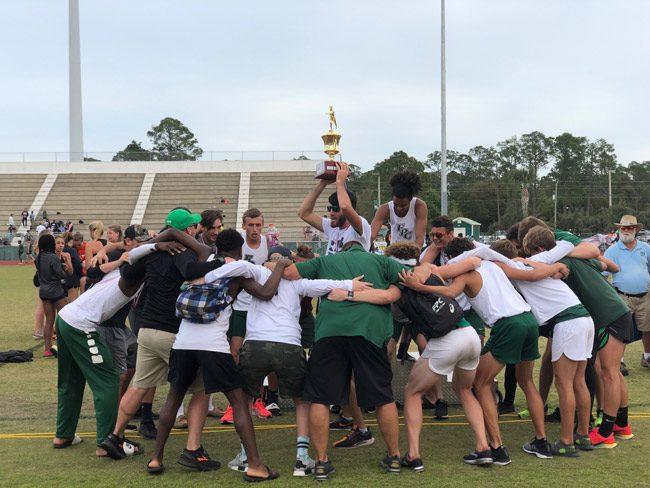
609	174
74	60
555	213
443	110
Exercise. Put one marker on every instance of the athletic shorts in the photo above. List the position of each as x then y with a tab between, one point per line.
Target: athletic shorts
237	326
332	363
622	328
190	370
475	321
288	361
131	349
574	338
459	348
115	339
152	364
514	339
640	307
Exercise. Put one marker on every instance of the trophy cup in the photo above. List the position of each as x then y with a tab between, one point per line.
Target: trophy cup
326	170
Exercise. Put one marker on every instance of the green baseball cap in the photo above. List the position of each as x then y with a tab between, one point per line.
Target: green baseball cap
181	219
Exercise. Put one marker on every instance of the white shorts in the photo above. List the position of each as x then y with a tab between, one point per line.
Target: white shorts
573	338
460	348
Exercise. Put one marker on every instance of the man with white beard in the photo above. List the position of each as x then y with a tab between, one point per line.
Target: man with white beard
633	280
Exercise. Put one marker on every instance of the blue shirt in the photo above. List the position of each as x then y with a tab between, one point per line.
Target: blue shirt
634	276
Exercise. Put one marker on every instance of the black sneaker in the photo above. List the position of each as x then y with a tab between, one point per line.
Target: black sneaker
565	450
414	464
554	416
355	438
624	370
392	464
148	430
198	460
500	456
538	447
274	408
323	470
113	446
504	408
335	408
479	458
341	424
441	409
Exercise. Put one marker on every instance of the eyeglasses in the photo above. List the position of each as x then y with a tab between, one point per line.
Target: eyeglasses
437	235
333	208
628	227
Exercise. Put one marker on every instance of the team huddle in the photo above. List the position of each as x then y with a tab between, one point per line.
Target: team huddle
223	310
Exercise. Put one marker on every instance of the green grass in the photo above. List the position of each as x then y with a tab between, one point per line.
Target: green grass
28	406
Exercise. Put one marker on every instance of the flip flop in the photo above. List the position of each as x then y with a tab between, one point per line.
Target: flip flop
155	470
70	442
272	475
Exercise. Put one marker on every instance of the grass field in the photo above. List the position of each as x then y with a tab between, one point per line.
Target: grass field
28	409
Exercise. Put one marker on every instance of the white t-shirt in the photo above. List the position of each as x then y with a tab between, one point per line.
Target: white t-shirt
337	238
256	256
276	320
402	228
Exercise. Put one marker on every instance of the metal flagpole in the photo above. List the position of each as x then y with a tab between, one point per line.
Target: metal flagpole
443	109
76	123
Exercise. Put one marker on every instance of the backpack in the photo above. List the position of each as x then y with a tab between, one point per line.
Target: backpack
201	304
433	314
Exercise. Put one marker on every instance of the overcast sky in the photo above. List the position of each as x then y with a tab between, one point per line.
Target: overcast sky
260	75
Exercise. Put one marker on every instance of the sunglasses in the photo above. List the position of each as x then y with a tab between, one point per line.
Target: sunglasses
333	208
437	235
628	227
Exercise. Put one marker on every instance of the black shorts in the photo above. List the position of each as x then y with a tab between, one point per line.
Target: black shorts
622	328
219	370
332	363
260	358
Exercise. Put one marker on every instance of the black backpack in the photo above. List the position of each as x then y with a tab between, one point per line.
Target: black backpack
434	315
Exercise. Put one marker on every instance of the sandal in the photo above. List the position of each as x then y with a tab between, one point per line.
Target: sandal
256	479
70	442
155	469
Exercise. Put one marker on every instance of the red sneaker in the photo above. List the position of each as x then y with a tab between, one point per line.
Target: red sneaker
599	442
48	354
228	417
260	410
623	432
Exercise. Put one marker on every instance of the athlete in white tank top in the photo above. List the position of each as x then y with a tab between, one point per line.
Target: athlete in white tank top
402	228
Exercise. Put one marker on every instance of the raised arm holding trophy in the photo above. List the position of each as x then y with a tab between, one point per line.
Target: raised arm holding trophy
327	169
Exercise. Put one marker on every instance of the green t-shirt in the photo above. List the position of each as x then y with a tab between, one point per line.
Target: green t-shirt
373	322
597	295
563	235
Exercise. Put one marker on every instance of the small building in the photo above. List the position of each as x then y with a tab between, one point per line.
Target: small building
464	227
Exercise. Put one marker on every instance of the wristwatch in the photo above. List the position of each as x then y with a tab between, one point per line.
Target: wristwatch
350	295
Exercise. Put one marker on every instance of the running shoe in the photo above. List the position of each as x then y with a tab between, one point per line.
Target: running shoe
479	458
582	442
228	417
148	430
180	422
355	438
600	442
259	410
341	423
623	432
524	414
645	363
599	419
565	450
48	354
500	456
624	370
505	407
413	464
392	464
304	466
538	447
323	470
198	459
554	416
441	409
240	463
274	408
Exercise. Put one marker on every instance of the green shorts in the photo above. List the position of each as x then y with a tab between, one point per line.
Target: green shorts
237	326
514	339
475	321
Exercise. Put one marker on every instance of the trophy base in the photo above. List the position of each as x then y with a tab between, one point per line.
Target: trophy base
326	170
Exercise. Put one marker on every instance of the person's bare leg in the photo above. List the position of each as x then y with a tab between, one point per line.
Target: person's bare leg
353	408
583	399
600	387
128	407
244	427
610	359
388	421
39	318
421	379
49	310
488	368
546	372
197	412
645	338
524	372
462	384
165	424
319	429
565	375
302	417
125	379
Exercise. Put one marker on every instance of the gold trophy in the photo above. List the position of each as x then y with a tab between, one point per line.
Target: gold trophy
326	170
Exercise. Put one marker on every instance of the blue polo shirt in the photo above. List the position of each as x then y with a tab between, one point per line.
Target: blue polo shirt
634	277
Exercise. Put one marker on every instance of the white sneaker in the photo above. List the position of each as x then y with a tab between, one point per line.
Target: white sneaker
304	467
239	463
